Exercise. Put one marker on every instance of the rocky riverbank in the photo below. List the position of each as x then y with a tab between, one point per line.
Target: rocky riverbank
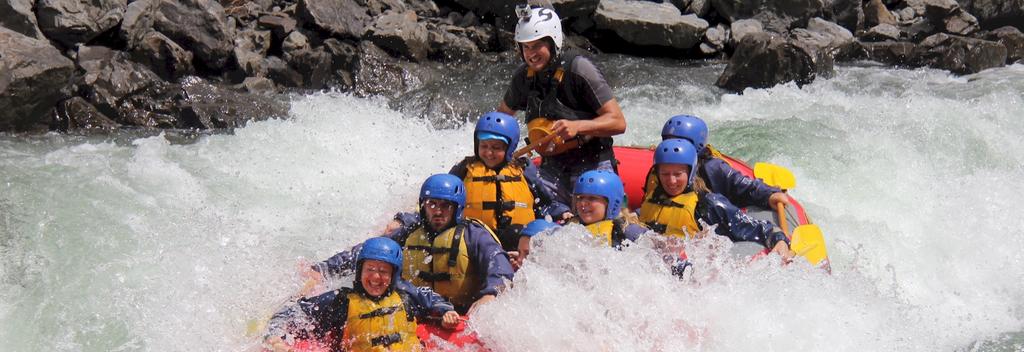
70	65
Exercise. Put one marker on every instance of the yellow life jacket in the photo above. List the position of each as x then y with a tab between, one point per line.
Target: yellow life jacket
382	325
673	216
485	187
442	263
610	231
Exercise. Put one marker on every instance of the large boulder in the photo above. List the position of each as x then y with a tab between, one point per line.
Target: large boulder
847	13
377	73
110	77
650	24
206	106
34	76
766	59
449	43
1012	39
996	13
199	25
881	33
137	22
960	55
78	21
875	13
315	64
742	28
77	114
946	15
251	46
890	53
777	16
17	16
341	18
280	26
162	55
400	33
827	37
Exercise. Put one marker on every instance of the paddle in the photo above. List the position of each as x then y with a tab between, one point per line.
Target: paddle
527	149
806	240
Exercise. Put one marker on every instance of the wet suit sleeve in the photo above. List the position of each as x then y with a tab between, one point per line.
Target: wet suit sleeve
311	317
424	302
741	190
490	260
518	90
715	209
344	263
632	232
546	204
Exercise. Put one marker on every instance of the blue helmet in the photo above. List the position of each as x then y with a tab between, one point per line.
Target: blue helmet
605	184
687	127
677	151
445	187
383	249
501	124
537	226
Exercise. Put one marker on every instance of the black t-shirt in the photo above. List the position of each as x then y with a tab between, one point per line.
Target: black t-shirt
583	90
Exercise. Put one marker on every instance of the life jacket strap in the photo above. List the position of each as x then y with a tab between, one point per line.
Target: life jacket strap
434	277
453	251
386	340
379	312
428	249
502	206
498	178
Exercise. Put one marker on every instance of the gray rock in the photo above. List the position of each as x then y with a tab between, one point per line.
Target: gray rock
905	15
35	76
77	114
682	5
342	18
717	36
400	33
828	37
469	20
880	33
314	64
486	38
294	42
998	13
1012	39
699	8
258	85
650	24
960	55
138	21
875	13
764	60
162	55
280	72
960	22
891	53
377	73
919	29
78	21
279	25
110	77
847	13
743	28
251	46
451	47
424	8
777	16
206	106
344	54
199	25
379	7
17	16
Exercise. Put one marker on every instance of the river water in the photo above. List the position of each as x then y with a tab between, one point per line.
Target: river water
172	242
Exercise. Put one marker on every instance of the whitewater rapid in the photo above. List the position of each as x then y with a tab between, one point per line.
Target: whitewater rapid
144	243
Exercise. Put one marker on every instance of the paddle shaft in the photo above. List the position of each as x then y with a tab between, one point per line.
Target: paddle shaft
527	149
780	208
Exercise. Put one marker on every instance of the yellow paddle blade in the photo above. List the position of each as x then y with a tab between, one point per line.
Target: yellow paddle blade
808	242
775	175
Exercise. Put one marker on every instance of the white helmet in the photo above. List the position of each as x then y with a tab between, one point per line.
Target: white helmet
538	22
